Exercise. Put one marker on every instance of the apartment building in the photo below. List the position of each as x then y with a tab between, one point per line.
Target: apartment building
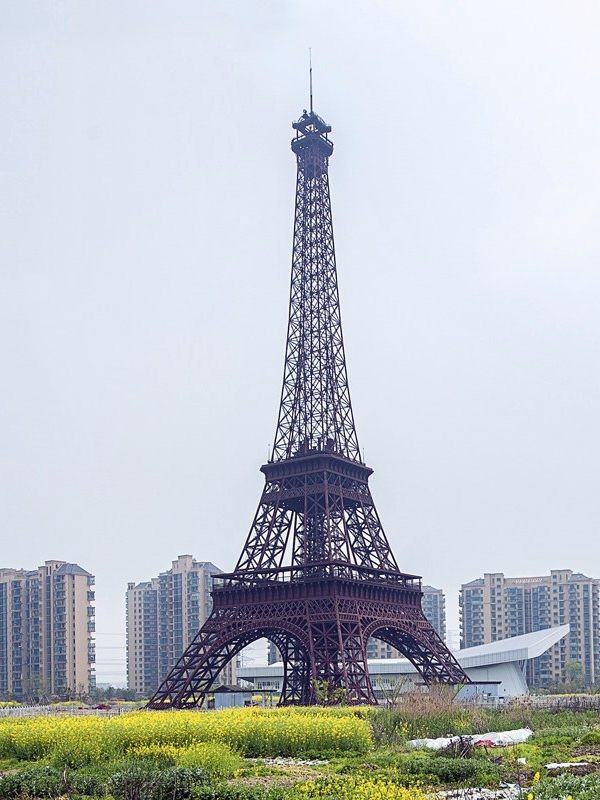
434	608
142	637
163	616
495	607
46	627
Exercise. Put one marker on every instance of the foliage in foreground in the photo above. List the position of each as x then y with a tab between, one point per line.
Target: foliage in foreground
577	787
197	755
428	720
217	760
130	780
354	788
77	741
139	780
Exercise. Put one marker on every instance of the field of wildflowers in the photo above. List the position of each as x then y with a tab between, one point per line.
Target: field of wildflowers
291	754
253	732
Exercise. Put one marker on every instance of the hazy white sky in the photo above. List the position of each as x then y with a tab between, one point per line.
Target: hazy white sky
147	190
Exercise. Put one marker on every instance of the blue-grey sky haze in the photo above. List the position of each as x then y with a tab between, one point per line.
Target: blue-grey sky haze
147	190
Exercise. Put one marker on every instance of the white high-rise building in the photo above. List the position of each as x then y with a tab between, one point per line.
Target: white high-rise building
46	627
163	616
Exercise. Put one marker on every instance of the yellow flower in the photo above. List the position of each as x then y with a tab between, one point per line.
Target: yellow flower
536	777
253	732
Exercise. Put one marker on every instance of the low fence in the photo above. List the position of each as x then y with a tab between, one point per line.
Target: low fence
565	702
55	711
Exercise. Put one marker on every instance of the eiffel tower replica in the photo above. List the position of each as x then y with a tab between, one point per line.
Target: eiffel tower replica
316	575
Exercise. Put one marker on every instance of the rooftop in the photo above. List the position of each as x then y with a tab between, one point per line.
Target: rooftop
71	569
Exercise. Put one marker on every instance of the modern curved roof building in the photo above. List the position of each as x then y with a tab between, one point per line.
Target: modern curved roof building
497	669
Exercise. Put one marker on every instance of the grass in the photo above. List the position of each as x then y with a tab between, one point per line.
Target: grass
176	755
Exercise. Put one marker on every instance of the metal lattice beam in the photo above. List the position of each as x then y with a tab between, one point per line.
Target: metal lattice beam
315	412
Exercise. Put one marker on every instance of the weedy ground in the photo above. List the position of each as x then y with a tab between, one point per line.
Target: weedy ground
296	753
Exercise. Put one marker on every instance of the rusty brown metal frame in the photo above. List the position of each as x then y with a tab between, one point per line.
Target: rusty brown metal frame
321	627
316	575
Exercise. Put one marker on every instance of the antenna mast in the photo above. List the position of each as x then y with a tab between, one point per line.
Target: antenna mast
310	77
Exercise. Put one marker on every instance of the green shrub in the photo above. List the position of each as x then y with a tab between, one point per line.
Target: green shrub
34	782
126	780
89	781
226	791
579	787
388	727
463	771
553	736
382	757
139	780
591	737
177	783
48	781
10	785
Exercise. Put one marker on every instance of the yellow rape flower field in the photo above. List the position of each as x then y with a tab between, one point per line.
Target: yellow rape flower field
252	732
214	741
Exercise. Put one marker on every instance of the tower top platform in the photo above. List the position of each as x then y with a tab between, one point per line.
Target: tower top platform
311	129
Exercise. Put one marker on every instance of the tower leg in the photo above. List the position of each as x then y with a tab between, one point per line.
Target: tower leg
338	651
223	635
295	689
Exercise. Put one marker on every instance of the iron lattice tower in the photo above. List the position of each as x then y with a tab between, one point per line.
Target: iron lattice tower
316	575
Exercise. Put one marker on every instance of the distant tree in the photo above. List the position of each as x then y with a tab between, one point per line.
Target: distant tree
35	690
327	695
574	677
102	694
393	688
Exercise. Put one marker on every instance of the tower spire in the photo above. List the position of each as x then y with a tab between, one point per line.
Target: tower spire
310	78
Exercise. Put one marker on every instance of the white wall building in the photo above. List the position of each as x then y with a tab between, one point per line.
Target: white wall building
497	669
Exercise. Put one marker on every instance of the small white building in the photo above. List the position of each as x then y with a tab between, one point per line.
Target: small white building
497	669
